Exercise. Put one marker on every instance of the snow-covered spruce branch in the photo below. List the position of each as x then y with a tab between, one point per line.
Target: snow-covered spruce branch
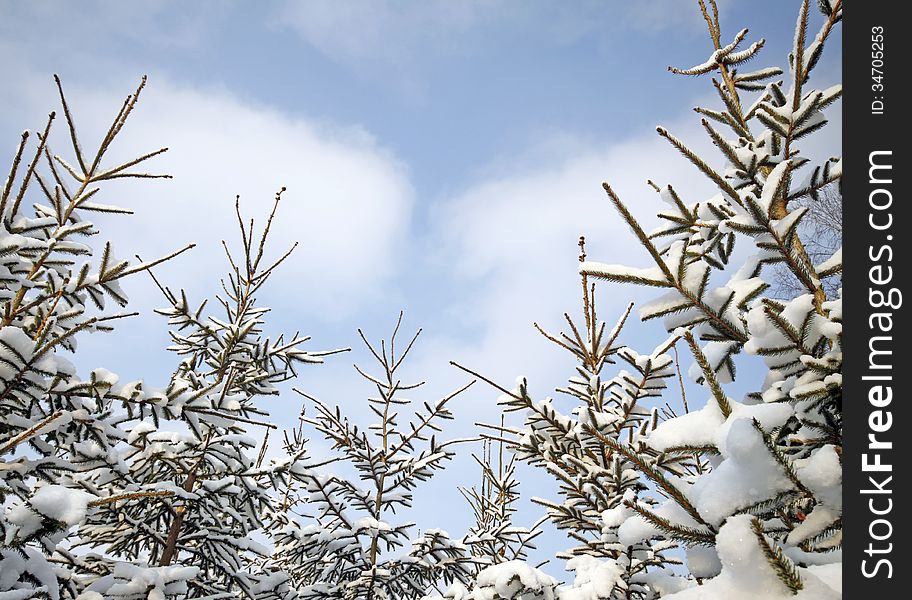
787	434
61	451
750	489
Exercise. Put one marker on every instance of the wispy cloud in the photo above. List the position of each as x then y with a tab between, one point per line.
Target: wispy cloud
398	42
99	34
654	16
389	40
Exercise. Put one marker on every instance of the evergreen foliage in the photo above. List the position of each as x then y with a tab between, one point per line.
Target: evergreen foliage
122	490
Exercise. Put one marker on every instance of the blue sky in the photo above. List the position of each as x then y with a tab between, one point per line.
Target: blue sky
440	157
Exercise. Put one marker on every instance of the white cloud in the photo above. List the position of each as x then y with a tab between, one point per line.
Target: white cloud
96	36
512	239
348	203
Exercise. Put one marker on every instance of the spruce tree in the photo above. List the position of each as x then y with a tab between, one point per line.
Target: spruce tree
586	451
494	538
196	442
347	544
750	489
62	433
